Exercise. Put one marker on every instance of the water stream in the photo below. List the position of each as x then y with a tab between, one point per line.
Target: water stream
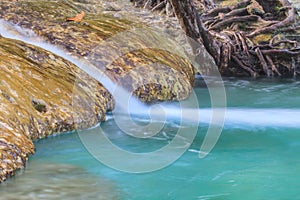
250	160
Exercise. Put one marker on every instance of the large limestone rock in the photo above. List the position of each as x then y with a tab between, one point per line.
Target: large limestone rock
145	71
37	94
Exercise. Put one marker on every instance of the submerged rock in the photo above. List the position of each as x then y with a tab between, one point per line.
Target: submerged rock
52	181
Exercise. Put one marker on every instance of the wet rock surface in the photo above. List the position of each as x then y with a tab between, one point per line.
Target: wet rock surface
86	39
37	93
38	89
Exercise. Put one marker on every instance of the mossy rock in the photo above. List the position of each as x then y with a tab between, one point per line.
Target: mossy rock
84	39
42	94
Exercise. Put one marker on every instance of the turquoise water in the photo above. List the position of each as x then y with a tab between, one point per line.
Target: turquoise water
253	159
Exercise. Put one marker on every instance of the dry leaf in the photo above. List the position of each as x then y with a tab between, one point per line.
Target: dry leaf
77	18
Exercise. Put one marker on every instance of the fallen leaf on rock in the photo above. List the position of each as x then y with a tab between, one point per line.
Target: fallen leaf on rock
77	18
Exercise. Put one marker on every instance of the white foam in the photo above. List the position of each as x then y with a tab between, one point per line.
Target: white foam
261	117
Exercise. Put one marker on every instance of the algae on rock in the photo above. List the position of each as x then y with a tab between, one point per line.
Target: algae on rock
37	94
47	19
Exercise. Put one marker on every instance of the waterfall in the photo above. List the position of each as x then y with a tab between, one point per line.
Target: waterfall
16	32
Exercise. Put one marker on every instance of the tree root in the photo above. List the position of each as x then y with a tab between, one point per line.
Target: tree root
254	36
239	19
245	67
159	6
216	11
262	61
287	22
273	67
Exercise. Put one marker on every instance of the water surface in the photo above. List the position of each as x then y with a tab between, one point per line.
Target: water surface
250	161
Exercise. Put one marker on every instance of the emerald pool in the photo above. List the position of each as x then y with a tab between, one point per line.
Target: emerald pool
254	158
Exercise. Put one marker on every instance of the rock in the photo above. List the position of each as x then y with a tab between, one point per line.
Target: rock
58	181
47	19
255	8
37	99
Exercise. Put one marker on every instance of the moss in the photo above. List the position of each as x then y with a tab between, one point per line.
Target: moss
229	2
37	99
262	38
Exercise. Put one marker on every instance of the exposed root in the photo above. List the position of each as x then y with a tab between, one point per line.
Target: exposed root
273	67
262	61
245	67
226	22
258	37
287	22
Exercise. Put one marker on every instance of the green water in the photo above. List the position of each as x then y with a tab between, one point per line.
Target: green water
252	160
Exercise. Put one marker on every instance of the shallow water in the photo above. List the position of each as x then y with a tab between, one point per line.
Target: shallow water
250	161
